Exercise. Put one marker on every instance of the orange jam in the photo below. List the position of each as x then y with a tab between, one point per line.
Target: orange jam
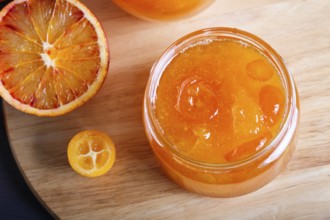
221	112
163	10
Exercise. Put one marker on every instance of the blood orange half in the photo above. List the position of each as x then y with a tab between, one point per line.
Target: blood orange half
54	55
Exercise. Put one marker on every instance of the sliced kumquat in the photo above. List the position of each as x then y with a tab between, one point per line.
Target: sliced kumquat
91	153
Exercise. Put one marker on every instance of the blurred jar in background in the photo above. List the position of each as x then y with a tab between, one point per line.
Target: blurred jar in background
163	10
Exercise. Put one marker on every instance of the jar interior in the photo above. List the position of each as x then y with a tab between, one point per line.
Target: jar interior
205	37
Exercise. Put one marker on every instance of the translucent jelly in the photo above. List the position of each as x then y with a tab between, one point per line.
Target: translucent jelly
163	10
221	112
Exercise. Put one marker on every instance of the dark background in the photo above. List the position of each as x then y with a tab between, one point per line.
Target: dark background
16	199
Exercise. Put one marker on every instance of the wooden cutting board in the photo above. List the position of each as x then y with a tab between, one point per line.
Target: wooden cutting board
136	188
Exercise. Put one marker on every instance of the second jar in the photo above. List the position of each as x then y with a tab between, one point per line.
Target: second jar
163	10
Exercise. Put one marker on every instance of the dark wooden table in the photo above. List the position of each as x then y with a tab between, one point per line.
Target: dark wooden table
16	199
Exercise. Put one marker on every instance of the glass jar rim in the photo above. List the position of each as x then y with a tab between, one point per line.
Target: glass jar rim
219	33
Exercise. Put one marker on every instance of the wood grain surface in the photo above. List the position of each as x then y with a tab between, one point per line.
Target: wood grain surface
136	188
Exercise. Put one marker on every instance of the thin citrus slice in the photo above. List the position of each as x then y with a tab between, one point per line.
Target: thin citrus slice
197	100
260	70
248	148
54	55
272	103
91	153
247	117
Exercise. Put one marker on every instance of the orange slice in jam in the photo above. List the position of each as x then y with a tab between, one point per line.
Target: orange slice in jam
248	148
272	103
197	100
260	70
247	117
91	153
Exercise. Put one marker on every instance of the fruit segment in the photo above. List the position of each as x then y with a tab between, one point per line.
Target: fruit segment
18	20
17	74
73	37
64	92
85	69
13	42
41	12
45	96
86	162
18	59
25	90
101	159
72	81
64	16
79	52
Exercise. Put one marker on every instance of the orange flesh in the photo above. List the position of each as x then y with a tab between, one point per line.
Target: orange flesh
49	54
220	101
162	9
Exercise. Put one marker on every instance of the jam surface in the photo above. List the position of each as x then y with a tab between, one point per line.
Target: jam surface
219	101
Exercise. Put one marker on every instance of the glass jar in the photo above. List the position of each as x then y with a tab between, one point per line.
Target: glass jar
232	178
163	10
